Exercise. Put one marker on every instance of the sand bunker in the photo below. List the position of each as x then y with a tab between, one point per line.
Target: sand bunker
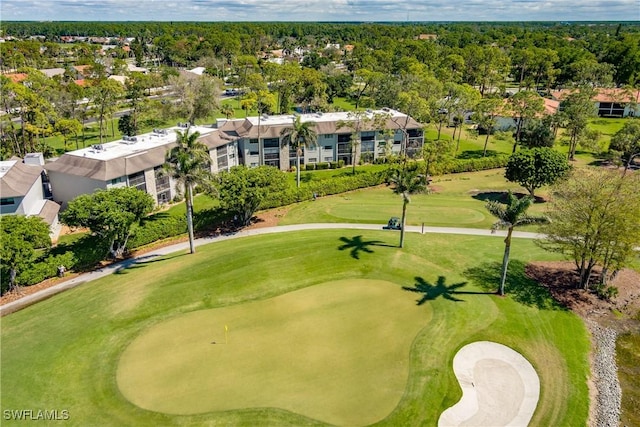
499	387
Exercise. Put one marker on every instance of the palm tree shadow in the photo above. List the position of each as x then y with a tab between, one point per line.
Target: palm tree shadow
357	245
518	285
440	289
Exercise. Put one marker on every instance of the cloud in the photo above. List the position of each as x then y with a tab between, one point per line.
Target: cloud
320	10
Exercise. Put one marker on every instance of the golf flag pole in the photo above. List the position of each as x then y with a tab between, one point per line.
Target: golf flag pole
226	334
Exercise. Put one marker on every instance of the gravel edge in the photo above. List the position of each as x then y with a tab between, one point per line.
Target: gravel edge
605	376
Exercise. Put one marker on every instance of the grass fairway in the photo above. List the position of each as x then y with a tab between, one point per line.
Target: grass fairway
459	201
70	351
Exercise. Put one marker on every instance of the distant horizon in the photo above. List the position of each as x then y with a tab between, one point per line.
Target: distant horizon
340	22
329	11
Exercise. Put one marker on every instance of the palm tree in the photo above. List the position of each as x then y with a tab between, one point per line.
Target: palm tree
298	136
406	182
188	163
511	215
227	110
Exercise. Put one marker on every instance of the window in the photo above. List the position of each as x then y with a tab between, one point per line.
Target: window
118	180
253	141
327	136
312	160
223	160
344	137
271	142
7	201
328	158
328	147
137	180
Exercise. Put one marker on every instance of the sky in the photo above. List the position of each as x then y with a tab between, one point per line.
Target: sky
320	10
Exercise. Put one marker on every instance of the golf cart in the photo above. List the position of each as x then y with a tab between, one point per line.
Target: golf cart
393	224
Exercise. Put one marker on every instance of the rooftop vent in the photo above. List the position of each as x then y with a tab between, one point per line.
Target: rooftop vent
129	139
183	125
98	147
160	131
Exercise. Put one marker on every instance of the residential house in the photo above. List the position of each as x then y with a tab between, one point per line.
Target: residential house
134	162
610	102
24	190
505	120
262	136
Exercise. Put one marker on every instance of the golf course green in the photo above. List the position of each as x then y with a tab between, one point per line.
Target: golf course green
337	352
335	327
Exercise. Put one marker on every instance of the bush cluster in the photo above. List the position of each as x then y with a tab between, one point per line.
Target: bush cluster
326	187
321	166
46	268
157	227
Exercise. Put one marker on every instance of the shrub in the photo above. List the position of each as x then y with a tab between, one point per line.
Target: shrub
157	227
340	163
46	268
323	165
310	166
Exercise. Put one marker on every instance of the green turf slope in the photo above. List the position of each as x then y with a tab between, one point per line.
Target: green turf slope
64	353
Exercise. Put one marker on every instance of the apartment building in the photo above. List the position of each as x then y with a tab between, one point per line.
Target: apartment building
134	162
379	132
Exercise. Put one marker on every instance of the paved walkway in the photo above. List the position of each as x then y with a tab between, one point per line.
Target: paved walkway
97	274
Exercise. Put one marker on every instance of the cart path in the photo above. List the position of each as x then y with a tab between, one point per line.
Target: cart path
112	268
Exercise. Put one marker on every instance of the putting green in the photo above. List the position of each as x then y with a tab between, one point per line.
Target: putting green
336	352
434	214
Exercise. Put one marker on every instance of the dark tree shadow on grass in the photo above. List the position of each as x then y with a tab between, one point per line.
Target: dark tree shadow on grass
476	154
357	245
502	196
518	285
440	289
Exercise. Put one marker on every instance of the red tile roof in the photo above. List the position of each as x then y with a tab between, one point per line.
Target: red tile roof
17	77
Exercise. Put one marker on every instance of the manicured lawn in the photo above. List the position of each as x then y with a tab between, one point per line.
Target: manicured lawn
279	294
458	201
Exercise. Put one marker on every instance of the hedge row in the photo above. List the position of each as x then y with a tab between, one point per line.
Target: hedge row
45	268
326	187
324	165
156	228
342	184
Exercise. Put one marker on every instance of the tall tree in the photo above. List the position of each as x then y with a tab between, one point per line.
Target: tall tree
626	142
405	182
109	214
594	220
241	190
485	116
197	96
299	136
21	236
189	164
536	167
525	106
576	111
105	94
510	216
